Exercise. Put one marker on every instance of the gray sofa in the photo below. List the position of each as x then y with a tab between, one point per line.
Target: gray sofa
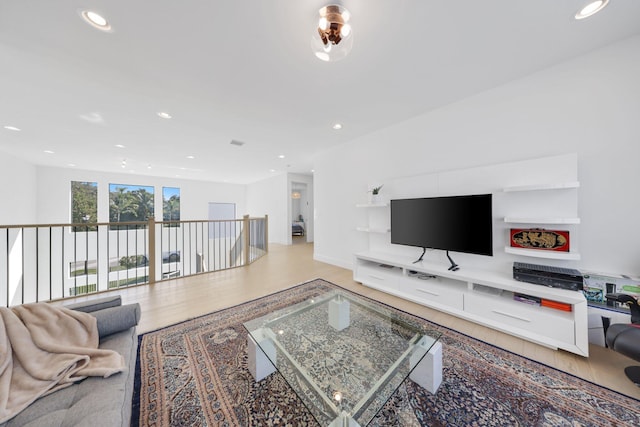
94	402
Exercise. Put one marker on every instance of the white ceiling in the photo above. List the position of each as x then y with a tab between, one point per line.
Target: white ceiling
243	70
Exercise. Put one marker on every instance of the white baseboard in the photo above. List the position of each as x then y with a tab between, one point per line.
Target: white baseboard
333	261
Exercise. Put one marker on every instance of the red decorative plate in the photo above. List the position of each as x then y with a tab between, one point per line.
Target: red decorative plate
538	238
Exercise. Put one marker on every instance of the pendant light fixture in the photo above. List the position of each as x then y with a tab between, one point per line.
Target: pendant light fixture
333	38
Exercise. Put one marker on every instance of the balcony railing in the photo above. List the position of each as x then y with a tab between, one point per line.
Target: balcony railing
55	261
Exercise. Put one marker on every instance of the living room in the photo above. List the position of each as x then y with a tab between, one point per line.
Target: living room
583	105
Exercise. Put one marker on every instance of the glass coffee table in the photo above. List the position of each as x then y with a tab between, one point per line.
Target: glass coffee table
343	355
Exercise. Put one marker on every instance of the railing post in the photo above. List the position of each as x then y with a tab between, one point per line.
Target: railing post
247	239
266	233
151	250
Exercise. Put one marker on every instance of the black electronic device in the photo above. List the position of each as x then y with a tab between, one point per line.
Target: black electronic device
611	289
451	223
545	275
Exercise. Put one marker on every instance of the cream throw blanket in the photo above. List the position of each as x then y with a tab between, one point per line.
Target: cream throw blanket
45	348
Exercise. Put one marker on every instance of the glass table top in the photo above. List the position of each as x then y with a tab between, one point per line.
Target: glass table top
343	355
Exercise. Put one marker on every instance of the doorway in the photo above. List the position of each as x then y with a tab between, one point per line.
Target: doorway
301	221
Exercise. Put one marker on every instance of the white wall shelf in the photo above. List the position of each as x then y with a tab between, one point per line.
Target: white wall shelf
546	209
548	220
536	187
376	222
373	230
540	253
372	205
482	297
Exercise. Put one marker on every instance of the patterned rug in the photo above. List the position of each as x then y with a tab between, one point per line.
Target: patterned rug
195	374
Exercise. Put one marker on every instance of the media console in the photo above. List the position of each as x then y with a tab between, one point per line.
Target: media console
482	297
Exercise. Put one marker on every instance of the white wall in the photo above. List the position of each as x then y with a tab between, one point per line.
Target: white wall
589	106
18	191
296	206
54	194
271	197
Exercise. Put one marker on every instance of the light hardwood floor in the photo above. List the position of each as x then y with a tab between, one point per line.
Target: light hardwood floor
168	302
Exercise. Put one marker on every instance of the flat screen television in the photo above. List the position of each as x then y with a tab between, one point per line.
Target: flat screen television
453	223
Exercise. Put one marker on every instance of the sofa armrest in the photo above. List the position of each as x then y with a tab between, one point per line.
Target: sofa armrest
116	319
96	304
112	317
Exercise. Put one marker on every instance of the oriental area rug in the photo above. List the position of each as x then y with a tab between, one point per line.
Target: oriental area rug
195	374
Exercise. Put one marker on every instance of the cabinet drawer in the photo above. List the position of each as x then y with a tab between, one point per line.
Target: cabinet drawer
378	277
534	319
433	292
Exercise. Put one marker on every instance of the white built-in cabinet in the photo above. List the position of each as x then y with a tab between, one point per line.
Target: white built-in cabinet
537	193
480	296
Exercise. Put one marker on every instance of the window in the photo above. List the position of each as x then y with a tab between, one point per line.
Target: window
130	203
170	205
84	204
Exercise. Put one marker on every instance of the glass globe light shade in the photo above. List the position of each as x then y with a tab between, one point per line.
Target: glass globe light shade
332	40
345	31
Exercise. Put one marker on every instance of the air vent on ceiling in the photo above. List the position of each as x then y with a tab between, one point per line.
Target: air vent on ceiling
238	143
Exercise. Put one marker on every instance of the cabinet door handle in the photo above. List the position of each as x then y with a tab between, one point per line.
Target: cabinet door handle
376	277
424	291
504	313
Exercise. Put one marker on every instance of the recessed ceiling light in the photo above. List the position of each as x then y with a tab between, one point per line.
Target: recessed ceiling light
96	20
119	145
13	128
337	126
164	115
191	157
591	9
281	156
48	151
272	170
148	166
94	118
71	165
